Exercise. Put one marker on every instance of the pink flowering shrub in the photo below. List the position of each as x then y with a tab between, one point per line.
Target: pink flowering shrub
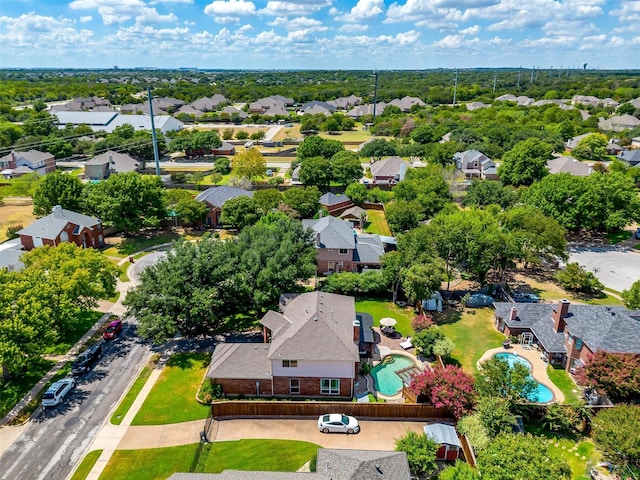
447	387
421	322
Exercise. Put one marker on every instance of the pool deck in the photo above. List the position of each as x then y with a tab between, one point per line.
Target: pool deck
539	367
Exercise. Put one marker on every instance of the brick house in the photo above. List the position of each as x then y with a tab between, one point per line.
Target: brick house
390	171
63	226
215	198
15	164
569	335
311	349
102	166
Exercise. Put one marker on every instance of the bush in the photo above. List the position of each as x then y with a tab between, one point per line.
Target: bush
12	231
421	452
443	347
474	429
426	339
577	279
421	322
242	135
222	166
178	177
277	180
370	283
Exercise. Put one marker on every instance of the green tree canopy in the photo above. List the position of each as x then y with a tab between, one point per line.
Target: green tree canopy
315	171
421	452
314	146
58	188
240	212
378	148
346	167
512	383
250	164
525	163
268	199
615	431
482	193
183	205
631	297
303	200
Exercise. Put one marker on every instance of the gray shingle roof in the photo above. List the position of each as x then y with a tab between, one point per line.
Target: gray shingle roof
354	212
118	162
217	196
240	360
389	167
49	227
330	199
442	434
320	328
369	249
568	165
333	232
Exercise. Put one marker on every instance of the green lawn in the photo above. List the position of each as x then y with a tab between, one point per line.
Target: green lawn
160	463
86	465
123	408
173	398
134	244
377	223
381	308
563	381
13	390
86	319
618	236
473	333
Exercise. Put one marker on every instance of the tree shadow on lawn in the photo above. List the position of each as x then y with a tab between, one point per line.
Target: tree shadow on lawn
134	244
187	361
450	316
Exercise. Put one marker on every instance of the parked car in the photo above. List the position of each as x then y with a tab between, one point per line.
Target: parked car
638	233
57	391
338	422
86	359
113	330
478	300
522	297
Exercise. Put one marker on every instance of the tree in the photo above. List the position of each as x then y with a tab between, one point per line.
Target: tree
421	452
403	216
424	340
443	347
41	124
423	134
346	168
222	166
58	188
616	374
473	428
250	164
314	146
575	278
357	193
184	206
240	212
315	171
377	149
495	415
525	163
128	201
420	280
303	200
512	383
459	471
448	387
631	297
592	147
482	193
267	200
514	457
613	428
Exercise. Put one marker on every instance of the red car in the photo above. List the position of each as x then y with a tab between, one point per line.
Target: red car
113	329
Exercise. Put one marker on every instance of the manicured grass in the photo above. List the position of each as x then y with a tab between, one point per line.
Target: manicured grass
86	319
12	391
129	398
472	332
149	463
563	381
122	269
262	455
259	455
601	299
86	465
382	308
349	136
173	398
618	236
377	223
134	244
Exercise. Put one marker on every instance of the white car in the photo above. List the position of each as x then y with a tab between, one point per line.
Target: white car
56	392
338	422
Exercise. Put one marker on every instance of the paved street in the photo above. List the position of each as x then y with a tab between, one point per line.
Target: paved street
616	267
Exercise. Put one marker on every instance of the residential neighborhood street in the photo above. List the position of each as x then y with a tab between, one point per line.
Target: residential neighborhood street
616	267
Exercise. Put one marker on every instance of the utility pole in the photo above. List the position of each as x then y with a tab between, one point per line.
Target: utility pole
495	79
519	72
156	156
455	88
375	95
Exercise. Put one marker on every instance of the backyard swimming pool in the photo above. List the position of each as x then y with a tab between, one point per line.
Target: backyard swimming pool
542	394
384	374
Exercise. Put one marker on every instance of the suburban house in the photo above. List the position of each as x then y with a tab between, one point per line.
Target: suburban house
574	141
475	164
315	106
108	121
343	103
206	104
15	164
311	348
569	334
630	157
225	149
357	216
361	110
102	166
331	464
618	123
335	204
569	165
63	226
447	437
215	198
405	103
341	249
390	171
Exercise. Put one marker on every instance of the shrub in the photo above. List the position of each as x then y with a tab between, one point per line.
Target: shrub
474	429
421	322
421	452
222	166
443	347
426	339
12	231
449	387
577	279
178	177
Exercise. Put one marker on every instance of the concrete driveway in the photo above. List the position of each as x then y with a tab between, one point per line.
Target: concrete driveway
616	267
134	271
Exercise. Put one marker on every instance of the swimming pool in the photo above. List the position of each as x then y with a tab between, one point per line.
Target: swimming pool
542	394
384	374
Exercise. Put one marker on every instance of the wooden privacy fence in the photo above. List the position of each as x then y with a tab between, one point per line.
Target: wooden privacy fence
381	411
469	456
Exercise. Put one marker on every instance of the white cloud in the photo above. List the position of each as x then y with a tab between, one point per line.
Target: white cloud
363	10
294	8
353	27
38	32
629	11
300	23
471	30
120	11
85	19
226	20
230	8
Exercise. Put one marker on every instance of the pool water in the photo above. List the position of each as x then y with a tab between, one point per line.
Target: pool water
542	394
384	374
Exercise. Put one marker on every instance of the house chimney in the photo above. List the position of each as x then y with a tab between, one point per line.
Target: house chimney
356	332
318	240
513	315
57	211
561	311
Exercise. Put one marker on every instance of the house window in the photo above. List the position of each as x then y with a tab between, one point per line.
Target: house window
294	386
289	363
330	386
578	344
343	251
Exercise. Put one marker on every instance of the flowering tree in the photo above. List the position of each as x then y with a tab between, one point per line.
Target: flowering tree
421	322
616	374
447	387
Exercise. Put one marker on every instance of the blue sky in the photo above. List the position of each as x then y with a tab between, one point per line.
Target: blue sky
320	34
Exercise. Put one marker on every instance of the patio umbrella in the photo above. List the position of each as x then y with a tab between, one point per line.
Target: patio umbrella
388	322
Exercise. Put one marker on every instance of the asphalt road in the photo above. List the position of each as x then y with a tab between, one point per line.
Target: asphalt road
52	444
616	267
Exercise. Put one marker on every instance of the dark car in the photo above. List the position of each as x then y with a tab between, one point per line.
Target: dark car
113	330
638	233
86	359
522	297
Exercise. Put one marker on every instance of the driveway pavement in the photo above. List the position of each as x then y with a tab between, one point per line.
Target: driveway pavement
616	267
